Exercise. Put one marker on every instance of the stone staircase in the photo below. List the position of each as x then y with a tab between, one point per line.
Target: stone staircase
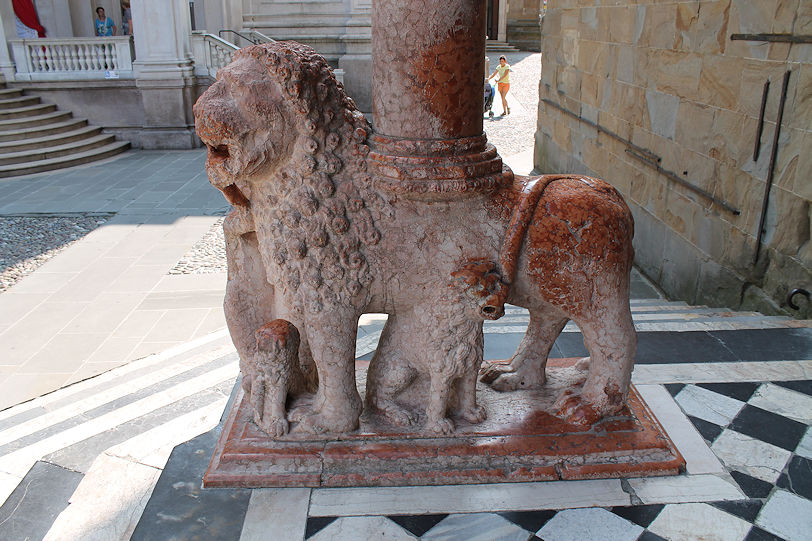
36	137
495	46
526	35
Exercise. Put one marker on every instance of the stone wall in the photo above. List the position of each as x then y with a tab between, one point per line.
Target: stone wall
661	83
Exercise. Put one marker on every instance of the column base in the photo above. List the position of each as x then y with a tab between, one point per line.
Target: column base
437	169
518	442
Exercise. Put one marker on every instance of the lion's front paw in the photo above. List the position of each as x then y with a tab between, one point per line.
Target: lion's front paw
490	371
476	414
443	425
505	379
321	422
572	408
276	427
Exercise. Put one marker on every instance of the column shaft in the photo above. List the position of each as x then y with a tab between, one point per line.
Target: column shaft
427	96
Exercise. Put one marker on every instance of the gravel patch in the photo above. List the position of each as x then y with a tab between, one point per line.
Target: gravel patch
207	256
26	242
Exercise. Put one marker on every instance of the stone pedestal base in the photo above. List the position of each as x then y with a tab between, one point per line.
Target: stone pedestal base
518	442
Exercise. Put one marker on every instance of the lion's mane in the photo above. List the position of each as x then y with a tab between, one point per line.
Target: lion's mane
322	209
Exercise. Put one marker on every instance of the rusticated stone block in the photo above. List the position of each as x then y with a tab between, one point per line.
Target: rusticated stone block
693	127
659	28
720	81
677	73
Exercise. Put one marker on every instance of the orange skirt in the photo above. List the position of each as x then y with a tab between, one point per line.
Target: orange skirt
503	88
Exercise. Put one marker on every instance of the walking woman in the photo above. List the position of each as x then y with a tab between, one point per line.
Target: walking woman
502	82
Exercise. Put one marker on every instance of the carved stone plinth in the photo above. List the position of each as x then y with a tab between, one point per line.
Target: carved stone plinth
520	441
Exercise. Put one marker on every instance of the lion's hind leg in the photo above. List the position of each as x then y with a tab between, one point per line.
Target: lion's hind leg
526	369
610	337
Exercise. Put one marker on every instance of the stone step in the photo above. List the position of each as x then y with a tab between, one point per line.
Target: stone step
10	92
27	111
15	102
82	131
37	131
493	46
64	161
39	120
57	151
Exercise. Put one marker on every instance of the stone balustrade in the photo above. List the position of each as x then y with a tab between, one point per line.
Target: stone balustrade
53	59
211	53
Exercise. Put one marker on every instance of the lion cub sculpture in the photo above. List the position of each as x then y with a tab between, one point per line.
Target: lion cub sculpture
317	241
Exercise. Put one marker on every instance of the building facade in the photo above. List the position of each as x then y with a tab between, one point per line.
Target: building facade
664	100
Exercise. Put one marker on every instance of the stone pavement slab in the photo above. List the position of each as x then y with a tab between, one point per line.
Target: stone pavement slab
107	299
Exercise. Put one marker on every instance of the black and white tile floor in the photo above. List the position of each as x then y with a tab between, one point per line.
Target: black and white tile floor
121	455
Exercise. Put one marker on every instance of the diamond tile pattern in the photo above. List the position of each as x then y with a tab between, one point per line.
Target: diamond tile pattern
773	510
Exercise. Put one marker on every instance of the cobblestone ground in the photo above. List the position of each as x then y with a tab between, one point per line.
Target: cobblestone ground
26	242
207	256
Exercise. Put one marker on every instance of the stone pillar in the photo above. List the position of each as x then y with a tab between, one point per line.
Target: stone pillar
427	98
8	31
356	61
55	16
502	33
164	72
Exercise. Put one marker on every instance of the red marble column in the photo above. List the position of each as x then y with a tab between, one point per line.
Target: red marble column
427	96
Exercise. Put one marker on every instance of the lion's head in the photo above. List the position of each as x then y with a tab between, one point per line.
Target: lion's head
287	143
251	117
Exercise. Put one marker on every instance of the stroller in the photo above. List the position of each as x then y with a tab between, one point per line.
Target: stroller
489	93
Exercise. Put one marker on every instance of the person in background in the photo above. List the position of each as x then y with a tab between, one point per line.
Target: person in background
503	82
104	25
126	19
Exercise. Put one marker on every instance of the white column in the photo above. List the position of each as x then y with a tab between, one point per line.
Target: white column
82	15
8	31
55	16
502	32
356	62
163	31
164	71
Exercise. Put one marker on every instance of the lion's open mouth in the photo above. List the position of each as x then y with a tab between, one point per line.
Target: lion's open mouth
235	196
218	153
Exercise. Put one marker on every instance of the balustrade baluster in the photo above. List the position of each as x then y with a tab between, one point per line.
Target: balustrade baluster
41	58
98	62
109	57
50	62
73	60
81	52
60	57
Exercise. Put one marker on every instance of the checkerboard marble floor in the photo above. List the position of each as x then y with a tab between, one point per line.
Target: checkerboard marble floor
760	432
121	455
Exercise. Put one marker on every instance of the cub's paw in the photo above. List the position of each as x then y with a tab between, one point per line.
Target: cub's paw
443	426
476	414
399	416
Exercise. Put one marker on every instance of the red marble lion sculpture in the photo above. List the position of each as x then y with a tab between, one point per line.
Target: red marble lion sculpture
314	241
